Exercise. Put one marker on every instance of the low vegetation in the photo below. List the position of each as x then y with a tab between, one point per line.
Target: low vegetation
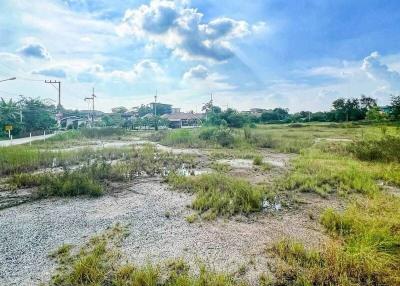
221	195
326	173
385	149
99	262
91	178
365	249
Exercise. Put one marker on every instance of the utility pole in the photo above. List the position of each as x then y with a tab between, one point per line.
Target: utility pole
92	99
155	103
155	112
52	82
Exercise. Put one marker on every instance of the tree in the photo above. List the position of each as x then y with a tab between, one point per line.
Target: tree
275	115
349	109
374	113
367	102
107	120
143	110
119	109
395	107
9	115
37	114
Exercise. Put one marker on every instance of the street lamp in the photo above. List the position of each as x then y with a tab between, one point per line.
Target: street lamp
11	78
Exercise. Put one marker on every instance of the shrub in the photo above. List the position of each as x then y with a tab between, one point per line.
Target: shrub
224	137
258	161
207	133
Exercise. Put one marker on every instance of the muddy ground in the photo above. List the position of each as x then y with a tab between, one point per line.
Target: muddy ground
31	230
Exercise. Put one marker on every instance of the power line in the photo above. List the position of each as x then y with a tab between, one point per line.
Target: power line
59	89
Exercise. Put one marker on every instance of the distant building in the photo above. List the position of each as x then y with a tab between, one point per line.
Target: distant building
73	122
161	108
255	111
176	110
386	109
184	120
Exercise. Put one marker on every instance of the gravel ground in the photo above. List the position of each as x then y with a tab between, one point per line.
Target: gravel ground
29	232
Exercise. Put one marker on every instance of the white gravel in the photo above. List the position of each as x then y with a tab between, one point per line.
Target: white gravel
29	232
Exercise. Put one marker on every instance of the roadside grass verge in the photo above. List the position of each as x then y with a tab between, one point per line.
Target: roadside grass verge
365	249
221	195
99	262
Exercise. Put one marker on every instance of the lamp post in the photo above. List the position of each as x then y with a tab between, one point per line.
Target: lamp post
11	78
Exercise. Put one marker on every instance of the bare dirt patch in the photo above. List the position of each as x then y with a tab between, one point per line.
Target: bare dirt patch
32	230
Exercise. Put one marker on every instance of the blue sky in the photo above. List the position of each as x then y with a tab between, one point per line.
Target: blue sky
262	53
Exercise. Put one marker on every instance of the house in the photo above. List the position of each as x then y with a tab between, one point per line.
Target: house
184	120
72	122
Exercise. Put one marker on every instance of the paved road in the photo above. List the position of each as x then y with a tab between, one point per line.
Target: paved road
4	143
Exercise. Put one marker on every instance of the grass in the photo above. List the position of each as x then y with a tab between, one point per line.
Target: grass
365	249
221	195
221	167
91	178
386	149
80	182
99	262
16	159
327	173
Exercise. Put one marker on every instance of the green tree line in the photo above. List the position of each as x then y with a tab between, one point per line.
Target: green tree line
26	115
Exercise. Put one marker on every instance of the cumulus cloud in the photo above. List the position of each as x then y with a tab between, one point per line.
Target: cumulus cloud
198	72
52	72
375	69
144	70
181	29
201	79
34	50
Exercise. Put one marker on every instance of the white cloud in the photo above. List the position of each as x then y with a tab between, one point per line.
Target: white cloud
34	50
143	70
200	79
181	29
375	69
58	72
198	72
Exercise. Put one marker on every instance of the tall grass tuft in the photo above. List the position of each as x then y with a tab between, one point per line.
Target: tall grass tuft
220	194
367	252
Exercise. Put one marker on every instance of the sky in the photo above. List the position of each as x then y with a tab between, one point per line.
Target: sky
300	54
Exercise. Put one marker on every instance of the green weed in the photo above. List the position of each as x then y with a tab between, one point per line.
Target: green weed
99	262
220	194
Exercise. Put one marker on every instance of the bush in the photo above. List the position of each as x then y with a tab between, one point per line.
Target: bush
224	137
207	133
258	161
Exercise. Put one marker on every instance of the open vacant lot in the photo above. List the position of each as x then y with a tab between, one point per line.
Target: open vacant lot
310	204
